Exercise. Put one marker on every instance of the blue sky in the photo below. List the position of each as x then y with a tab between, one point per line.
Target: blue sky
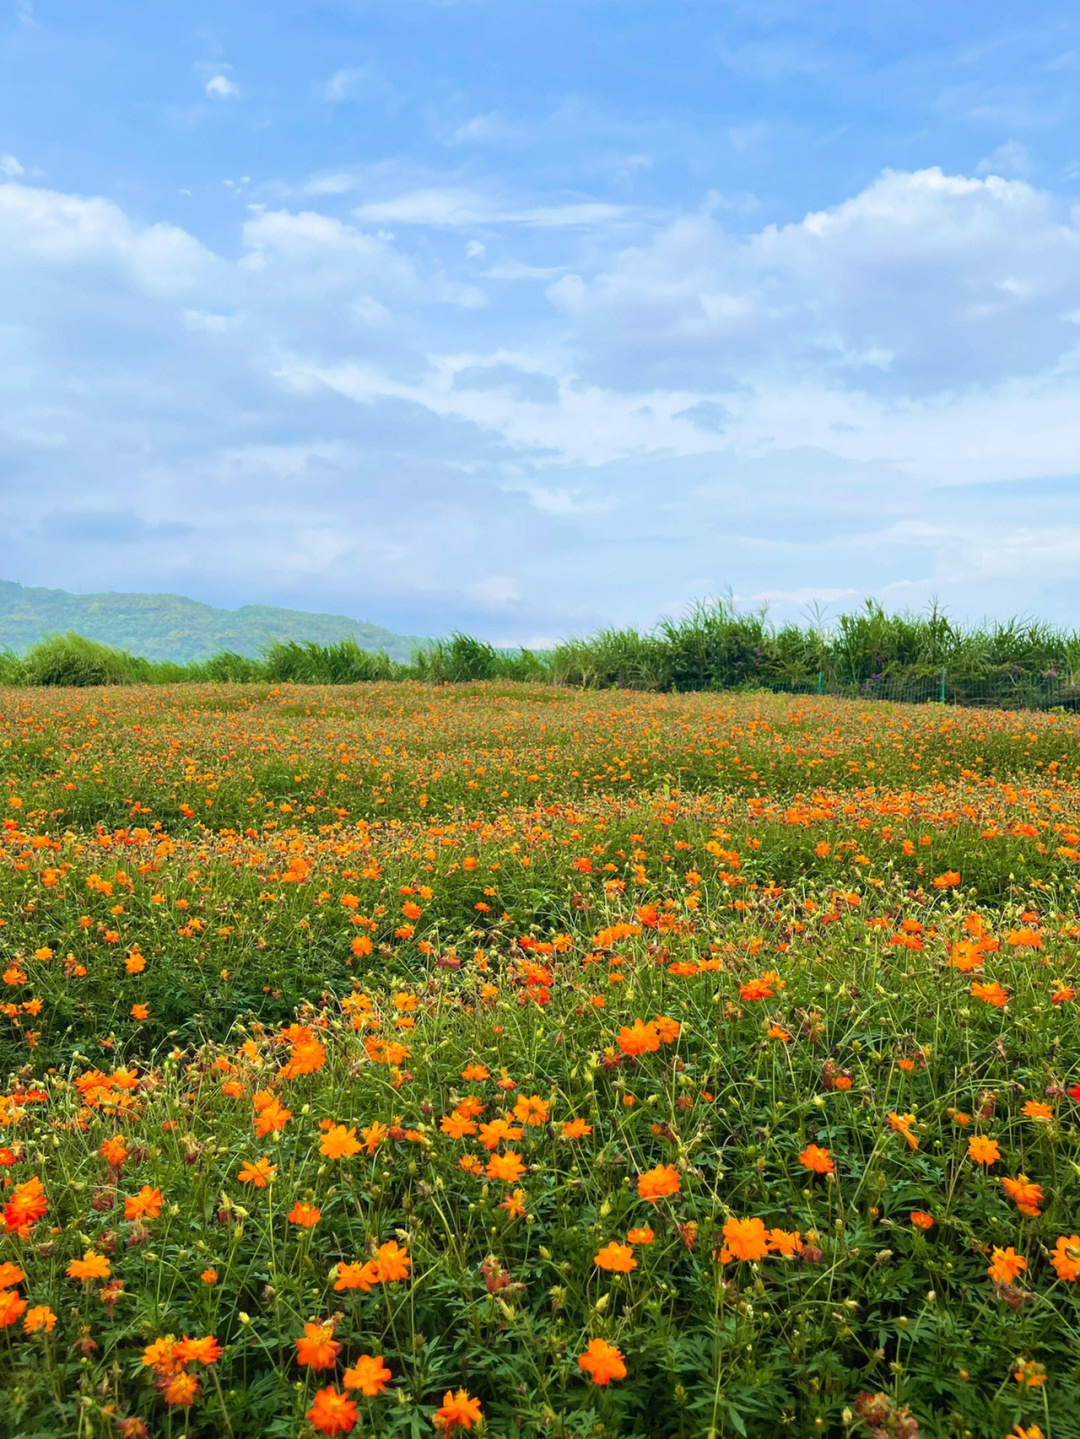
527	318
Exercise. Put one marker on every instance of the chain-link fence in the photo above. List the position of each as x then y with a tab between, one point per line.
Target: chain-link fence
1021	691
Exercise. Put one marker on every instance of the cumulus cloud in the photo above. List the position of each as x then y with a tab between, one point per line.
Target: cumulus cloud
921	283
778	408
220	87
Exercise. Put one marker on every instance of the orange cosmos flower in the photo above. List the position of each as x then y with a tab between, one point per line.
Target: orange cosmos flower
508	1166
339	1142
921	1220
114	1152
142	1011
576	1129
493	1133
374	1135
270	1113
983	1150
654	1184
1026	1196
24	1208
531	1109
817	1159
39	1317
181	1390
640	1236
603	1362
783	1241
12	1304
393	1261
357	1276
476	1072
258	1174
618	1258
901	1124
1037	1109
304	1215
90	1266
640	1038
1065	1258
456	1410
197	1351
1006	1265
744	1239
332	1412
369	1374
10	1275
990	993
668	1029
144	1205
318	1348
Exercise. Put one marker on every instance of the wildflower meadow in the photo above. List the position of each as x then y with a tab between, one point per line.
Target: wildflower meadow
442	1060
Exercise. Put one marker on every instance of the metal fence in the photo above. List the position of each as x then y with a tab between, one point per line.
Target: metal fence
1015	692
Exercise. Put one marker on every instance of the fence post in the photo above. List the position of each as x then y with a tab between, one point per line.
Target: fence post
820	681
942	686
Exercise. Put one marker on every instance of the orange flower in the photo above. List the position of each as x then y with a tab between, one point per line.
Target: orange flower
357	1276
1038	1109
640	1236
258	1174
318	1348
114	1152
991	993
476	1072
24	1208
744	1239
144	1205
654	1184
603	1362
90	1266
1065	1258
619	1258
393	1261
1026	1196
921	1220
901	1124
197	1351
181	1389
456	1409
12	1304
10	1275
1006	1265
531	1109
374	1135
640	1038
369	1375
508	1166
270	1113
983	1150
949	880
782	1241
332	1412
817	1159
576	1129
304	1215
339	1142
39	1317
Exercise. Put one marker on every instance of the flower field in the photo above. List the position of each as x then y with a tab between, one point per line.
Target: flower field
415	1060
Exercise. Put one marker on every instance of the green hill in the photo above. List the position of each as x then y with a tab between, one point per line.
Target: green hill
170	627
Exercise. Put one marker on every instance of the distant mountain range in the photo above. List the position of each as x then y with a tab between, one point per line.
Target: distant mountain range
170	627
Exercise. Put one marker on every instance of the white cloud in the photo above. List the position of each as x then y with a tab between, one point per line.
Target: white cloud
57	229
453	205
220	87
10	166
